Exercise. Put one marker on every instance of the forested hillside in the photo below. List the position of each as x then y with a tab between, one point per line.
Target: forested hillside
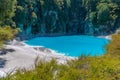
7	24
61	16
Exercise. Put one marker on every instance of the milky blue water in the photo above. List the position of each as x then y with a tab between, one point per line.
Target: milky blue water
74	46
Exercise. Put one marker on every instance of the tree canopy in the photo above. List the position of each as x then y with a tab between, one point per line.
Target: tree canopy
7	12
54	16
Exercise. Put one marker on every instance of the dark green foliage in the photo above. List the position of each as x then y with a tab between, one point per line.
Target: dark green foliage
7	8
7	12
64	16
60	16
103	13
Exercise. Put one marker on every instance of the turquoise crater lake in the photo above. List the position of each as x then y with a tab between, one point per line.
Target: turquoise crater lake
73	46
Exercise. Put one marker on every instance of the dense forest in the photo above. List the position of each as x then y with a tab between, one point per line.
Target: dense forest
40	17
91	17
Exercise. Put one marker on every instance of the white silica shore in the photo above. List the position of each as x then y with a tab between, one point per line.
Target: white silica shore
2	74
23	56
109	37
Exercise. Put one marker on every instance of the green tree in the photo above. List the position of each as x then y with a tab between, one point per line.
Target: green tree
7	9
93	18
103	13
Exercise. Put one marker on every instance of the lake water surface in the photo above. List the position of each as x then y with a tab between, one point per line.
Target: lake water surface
73	46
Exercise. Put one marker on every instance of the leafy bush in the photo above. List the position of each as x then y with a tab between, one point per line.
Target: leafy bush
7	33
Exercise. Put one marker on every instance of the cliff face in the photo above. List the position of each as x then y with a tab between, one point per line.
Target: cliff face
57	16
